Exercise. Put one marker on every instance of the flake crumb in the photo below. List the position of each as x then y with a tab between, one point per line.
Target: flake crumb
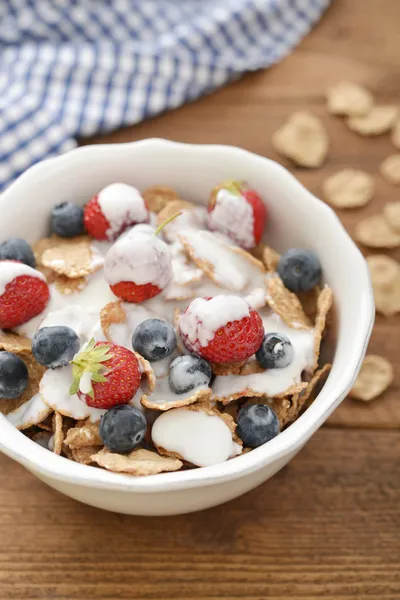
396	134
349	99
375	376
375	232
377	121
349	188
303	139
391	212
385	277
390	169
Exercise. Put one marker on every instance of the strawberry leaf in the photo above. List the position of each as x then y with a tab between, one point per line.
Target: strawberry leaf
91	359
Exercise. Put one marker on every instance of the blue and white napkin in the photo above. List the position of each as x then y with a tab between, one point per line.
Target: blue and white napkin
71	68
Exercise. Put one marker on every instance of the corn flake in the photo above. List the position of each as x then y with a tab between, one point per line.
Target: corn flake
375	232
139	462
83	454
390	169
391	212
58	432
385	277
349	188
84	434
303	140
286	304
324	305
396	134
375	376
157	197
32	412
378	120
67	286
12	342
349	99
71	257
270	258
111	314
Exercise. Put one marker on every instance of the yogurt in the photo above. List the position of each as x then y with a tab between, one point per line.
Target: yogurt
10	270
196	436
122	205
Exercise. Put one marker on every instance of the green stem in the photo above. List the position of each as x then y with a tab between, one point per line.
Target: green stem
161	227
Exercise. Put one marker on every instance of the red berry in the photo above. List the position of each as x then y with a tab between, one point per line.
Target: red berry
116	365
259	213
95	222
25	297
116	207
131	292
233	342
238	212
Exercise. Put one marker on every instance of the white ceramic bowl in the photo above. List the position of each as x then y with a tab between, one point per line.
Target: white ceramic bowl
296	218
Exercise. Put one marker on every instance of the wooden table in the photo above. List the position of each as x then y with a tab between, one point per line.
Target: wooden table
328	525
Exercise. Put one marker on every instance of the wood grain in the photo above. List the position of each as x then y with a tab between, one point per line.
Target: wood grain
328	525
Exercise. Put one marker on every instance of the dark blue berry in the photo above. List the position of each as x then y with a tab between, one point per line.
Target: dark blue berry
67	219
256	424
189	372
275	352
154	339
123	428
300	270
13	375
17	249
55	346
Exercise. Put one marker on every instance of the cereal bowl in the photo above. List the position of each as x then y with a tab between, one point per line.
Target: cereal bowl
296	219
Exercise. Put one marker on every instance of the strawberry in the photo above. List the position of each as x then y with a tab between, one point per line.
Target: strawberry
117	207
105	375
131	292
223	329
237	211
138	266
95	222
25	294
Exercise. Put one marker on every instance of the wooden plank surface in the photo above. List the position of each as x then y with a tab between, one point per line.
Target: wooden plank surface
328	525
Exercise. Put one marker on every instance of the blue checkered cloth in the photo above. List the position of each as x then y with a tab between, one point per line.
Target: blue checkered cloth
73	68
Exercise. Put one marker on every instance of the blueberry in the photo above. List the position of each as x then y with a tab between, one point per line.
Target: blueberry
189	372
55	346
154	339
257	424
122	428
275	352
17	249
13	375
300	270
67	219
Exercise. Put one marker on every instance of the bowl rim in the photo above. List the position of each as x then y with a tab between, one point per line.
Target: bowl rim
48	465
